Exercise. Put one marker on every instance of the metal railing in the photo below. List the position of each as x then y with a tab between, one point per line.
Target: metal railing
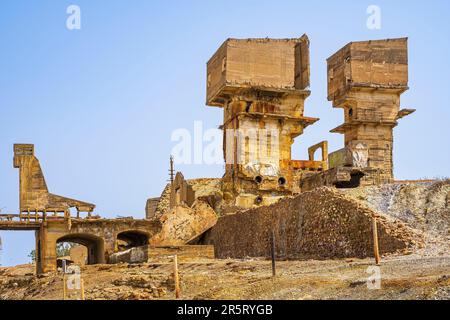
40	216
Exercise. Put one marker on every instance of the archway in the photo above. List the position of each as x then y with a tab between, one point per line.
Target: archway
95	246
131	238
354	182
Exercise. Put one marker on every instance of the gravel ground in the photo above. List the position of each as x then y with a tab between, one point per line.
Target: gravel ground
402	277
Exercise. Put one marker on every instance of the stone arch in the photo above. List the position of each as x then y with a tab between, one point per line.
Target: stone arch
94	244
132	238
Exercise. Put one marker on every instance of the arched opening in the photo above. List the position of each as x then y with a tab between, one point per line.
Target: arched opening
93	244
350	112
317	155
354	182
131	239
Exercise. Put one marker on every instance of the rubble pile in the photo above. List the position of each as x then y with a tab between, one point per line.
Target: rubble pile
319	224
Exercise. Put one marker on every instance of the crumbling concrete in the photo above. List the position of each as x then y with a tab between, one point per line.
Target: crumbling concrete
133	255
262	85
182	224
34	195
184	192
100	237
151	207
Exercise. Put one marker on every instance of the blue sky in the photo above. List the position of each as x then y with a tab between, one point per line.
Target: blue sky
100	103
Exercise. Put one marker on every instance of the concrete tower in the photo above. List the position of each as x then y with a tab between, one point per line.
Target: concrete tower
261	84
366	80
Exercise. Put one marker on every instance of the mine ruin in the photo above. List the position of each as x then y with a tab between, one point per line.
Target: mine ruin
261	86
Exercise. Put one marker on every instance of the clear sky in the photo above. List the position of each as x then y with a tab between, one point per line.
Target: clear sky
100	103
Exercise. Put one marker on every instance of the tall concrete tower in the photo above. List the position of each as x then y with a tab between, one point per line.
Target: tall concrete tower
366	80
261	84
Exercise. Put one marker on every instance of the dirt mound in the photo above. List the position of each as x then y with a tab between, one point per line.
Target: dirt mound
319	224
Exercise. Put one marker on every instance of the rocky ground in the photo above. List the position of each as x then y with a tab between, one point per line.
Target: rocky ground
407	277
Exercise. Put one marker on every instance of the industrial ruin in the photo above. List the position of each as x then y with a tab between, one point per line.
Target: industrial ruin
262	86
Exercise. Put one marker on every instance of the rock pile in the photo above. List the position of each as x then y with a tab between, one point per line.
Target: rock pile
319	224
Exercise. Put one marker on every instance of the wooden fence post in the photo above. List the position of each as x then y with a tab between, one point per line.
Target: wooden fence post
176	277
375	240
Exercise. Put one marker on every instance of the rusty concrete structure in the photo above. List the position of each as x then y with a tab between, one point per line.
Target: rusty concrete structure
151	207
188	207
181	192
99	236
262	85
366	80
34	194
49	216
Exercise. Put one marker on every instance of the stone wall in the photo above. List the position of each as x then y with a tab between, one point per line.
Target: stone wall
317	224
150	207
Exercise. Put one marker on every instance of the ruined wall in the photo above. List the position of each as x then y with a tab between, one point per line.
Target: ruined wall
99	236
164	201
33	191
181	192
150	207
316	224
